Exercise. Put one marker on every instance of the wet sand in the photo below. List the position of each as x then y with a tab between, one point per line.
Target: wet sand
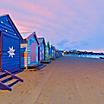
68	80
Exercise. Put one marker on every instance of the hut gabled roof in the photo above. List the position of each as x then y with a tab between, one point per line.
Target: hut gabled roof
8	18
27	36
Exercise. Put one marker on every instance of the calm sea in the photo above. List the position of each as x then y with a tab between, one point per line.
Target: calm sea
87	56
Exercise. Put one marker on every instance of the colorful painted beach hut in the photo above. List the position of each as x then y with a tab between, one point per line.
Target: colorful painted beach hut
41	49
47	52
10	40
31	54
23	55
53	52
58	53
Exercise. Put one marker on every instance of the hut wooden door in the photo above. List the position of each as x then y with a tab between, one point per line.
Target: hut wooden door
0	50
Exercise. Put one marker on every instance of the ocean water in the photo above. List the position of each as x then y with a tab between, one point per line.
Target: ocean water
87	56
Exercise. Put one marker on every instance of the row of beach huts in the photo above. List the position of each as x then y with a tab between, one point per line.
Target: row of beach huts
19	52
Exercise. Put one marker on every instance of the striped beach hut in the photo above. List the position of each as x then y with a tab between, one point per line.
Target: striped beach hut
23	55
10	40
41	49
31	55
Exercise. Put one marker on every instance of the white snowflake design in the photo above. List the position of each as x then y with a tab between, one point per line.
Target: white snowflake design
11	52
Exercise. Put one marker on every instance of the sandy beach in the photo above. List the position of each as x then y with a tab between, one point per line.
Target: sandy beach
67	80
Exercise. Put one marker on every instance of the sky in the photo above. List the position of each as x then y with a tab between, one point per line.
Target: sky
66	24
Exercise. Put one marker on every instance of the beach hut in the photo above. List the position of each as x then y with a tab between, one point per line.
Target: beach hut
47	52
41	49
23	55
31	55
53	52
58	53
10	40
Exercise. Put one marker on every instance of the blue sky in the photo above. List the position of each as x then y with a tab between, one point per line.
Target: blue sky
67	24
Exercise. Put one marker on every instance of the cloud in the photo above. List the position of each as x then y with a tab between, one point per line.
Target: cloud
65	23
62	43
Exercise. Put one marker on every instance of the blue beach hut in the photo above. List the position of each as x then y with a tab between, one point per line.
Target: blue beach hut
53	52
41	49
10	40
58	53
